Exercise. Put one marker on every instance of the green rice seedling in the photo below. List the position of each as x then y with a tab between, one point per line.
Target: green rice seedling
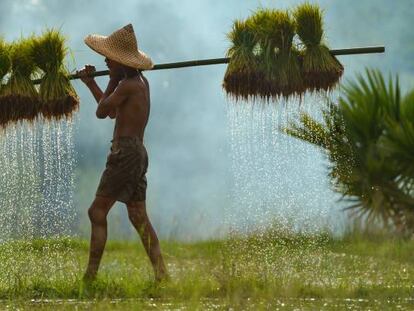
5	66
279	59
260	22
242	77
4	58
58	97
288	71
321	70
19	95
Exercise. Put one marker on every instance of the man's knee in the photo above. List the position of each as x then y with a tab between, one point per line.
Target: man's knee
98	210
96	215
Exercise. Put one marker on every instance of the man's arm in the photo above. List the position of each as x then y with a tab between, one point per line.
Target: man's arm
95	89
112	101
99	95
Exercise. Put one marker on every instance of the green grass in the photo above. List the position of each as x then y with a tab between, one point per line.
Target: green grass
246	273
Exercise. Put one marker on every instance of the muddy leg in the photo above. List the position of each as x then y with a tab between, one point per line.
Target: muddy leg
138	216
97	214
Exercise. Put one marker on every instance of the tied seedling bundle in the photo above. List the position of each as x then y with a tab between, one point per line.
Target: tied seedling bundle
4	69
242	77
275	30
321	70
19	98
56	93
269	63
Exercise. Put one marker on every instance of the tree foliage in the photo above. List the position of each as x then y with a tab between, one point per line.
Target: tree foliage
369	139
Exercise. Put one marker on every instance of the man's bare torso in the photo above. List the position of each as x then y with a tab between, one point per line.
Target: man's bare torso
132	115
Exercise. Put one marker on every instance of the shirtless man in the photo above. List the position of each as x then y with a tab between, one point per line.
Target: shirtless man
127	100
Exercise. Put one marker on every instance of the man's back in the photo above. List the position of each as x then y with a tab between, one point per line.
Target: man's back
132	115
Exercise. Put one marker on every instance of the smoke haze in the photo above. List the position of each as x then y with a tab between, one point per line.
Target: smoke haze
200	177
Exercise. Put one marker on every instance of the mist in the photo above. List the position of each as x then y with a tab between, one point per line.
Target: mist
201	178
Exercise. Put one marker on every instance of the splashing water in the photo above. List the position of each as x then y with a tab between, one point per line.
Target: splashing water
36	201
281	200
37	180
278	180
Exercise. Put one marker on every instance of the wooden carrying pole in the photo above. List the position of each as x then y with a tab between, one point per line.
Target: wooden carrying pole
225	60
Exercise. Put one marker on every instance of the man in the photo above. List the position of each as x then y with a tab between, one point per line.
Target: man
126	99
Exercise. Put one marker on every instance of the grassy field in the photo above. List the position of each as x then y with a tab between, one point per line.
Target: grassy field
262	272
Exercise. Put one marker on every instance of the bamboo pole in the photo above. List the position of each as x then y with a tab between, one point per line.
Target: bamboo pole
225	60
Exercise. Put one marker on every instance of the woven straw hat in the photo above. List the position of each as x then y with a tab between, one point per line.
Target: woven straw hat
120	46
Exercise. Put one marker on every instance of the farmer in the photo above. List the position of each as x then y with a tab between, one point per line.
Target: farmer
126	99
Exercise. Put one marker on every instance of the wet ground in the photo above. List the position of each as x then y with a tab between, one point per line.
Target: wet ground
211	304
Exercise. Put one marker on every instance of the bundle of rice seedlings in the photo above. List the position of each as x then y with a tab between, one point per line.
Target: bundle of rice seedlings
4	69
321	70
57	95
275	30
242	77
288	72
259	23
19	95
4	59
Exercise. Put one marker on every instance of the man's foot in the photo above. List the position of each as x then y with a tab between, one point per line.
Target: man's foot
89	277
162	276
85	285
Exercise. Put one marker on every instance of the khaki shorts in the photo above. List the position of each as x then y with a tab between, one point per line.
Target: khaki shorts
124	176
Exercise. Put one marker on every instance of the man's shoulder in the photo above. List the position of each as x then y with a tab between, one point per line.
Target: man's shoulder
131	85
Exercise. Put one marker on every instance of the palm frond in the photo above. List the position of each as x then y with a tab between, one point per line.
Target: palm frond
369	140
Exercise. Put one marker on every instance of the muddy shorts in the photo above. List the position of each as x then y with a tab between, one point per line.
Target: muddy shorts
124	176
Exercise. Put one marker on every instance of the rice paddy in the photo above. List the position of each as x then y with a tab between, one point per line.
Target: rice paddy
260	272
262	265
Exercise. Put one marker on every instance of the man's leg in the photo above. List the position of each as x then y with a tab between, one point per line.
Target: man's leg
138	216
97	214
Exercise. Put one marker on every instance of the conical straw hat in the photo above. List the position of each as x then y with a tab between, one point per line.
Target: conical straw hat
120	46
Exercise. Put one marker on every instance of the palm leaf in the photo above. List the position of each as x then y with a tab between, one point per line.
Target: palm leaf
369	140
